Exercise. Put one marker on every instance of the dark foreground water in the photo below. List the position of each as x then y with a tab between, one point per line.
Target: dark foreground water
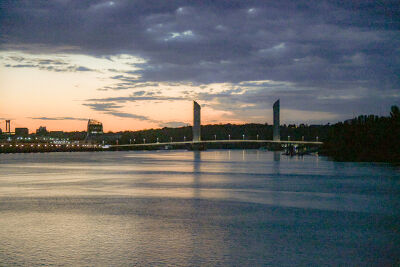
184	208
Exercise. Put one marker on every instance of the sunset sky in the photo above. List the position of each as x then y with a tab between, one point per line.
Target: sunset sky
139	64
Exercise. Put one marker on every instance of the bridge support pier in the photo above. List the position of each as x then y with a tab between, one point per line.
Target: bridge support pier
275	147
197	146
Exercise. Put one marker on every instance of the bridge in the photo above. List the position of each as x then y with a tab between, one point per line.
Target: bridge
197	143
179	143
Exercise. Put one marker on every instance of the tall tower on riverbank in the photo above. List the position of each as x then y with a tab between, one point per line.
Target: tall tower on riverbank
196	122
276	134
8	127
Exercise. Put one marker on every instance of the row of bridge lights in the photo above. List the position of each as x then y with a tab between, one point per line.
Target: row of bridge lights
215	138
130	142
45	145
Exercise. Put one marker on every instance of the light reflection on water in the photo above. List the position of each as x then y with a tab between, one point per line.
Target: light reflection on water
228	207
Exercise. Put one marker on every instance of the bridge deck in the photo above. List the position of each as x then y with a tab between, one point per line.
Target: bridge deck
220	142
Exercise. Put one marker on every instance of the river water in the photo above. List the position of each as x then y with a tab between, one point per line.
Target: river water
184	208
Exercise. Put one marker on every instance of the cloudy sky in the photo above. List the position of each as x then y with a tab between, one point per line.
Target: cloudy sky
136	64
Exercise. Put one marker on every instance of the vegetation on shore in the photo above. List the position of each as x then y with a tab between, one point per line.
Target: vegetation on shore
365	138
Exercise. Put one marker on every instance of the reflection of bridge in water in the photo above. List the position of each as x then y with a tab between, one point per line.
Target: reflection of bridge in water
197	143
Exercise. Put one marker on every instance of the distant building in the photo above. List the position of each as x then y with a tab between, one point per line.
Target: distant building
276	131
41	131
21	131
94	127
196	122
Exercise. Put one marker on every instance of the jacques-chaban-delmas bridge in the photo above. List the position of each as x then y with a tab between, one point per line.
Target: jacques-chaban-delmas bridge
198	144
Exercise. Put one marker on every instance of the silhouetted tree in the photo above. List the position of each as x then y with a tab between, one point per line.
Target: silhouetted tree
366	138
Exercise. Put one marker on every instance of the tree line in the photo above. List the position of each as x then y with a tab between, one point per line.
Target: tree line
365	138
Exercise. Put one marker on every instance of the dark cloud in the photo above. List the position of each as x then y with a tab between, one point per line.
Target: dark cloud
58	118
111	106
19	66
124	78
102	106
325	47
118	86
123	99
139	93
51	62
80	68
43	64
127	82
112	109
128	115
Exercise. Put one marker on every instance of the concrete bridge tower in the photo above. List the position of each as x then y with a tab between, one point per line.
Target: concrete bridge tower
196	122
276	132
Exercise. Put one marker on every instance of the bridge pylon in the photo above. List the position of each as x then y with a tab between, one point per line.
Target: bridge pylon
196	122
276	129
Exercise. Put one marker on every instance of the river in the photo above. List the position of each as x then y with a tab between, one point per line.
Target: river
185	208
